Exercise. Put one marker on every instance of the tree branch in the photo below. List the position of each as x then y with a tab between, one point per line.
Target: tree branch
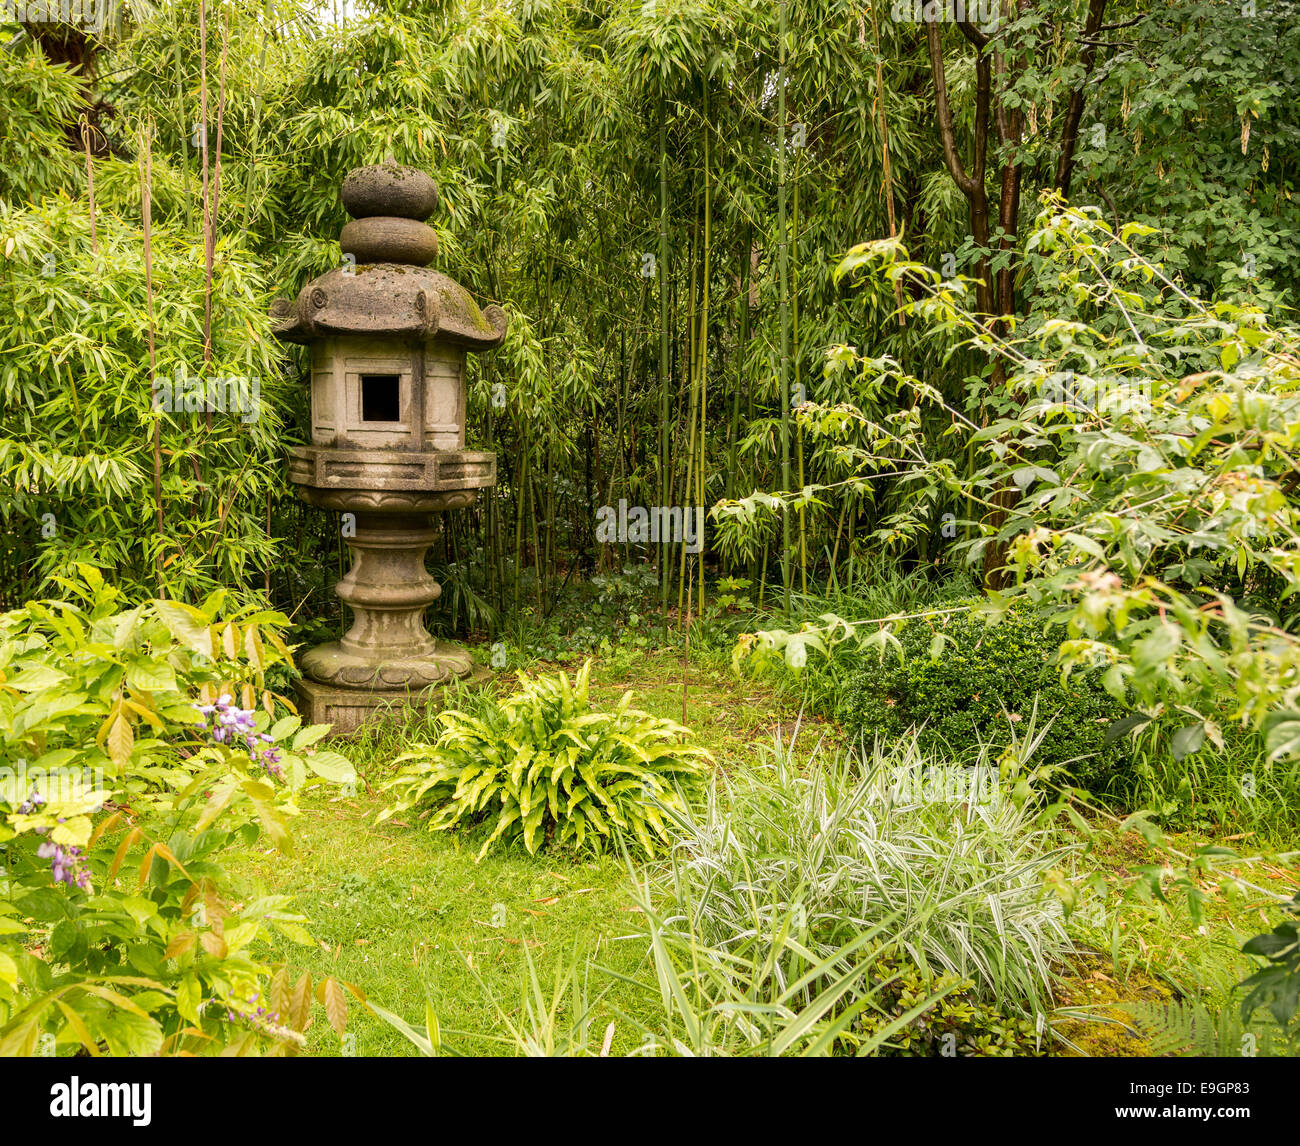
943	112
1074	111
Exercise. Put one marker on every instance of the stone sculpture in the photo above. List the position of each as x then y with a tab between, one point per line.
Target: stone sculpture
388	339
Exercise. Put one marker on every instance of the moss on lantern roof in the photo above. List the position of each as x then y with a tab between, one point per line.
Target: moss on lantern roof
389	297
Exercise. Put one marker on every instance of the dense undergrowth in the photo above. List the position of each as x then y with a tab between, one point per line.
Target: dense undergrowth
826	894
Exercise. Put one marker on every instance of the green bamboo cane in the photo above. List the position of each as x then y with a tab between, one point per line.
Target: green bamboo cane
784	287
664	409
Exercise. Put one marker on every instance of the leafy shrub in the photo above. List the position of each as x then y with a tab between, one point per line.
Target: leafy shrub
119	795
958	680
1144	503
1277	985
819	681
544	766
977	1029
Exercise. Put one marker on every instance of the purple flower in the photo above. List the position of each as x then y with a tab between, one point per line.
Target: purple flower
66	864
229	723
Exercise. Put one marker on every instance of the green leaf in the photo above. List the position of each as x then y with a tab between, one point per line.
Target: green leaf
331	766
1117	729
309	736
1282	734
1187	740
151	676
285	725
35	678
187	625
189	993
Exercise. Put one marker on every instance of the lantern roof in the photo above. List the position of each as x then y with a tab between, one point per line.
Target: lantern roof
387	287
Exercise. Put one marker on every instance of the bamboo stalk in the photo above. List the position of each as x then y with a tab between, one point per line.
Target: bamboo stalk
551	554
664	410
181	114
686	659
884	155
541	557
90	185
794	303
146	218
521	487
537	546
221	118
704	347
692	345
207	202
784	288
733	432
268	541
255	143
484	505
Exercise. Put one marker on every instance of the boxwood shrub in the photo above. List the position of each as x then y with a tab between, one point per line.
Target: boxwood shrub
984	674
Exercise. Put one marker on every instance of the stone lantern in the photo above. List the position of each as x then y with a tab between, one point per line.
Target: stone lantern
388	340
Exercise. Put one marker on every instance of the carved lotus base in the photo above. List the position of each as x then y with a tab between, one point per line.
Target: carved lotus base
349	709
335	665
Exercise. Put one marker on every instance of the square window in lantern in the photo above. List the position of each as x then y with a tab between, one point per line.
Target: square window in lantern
381	397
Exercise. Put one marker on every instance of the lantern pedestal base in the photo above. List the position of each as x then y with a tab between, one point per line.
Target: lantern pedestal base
348	709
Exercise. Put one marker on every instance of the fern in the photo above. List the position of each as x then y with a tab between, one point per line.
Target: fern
1188	1029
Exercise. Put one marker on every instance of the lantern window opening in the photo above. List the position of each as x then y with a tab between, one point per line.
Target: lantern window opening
381	397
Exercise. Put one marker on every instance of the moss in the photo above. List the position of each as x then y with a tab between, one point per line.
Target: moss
1091	985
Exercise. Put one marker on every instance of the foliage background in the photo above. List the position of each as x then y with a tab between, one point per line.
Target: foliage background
624	130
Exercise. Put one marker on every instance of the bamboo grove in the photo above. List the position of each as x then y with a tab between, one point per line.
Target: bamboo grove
657	191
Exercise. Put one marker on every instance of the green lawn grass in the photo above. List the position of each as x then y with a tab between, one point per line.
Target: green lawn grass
407	915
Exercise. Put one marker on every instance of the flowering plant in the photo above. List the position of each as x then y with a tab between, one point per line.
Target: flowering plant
127	768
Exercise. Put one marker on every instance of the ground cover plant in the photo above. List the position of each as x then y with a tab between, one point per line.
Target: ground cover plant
958	714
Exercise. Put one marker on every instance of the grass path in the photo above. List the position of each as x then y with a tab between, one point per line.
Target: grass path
407	915
403	913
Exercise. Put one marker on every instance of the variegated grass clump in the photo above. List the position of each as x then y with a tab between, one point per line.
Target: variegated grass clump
545	767
829	846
